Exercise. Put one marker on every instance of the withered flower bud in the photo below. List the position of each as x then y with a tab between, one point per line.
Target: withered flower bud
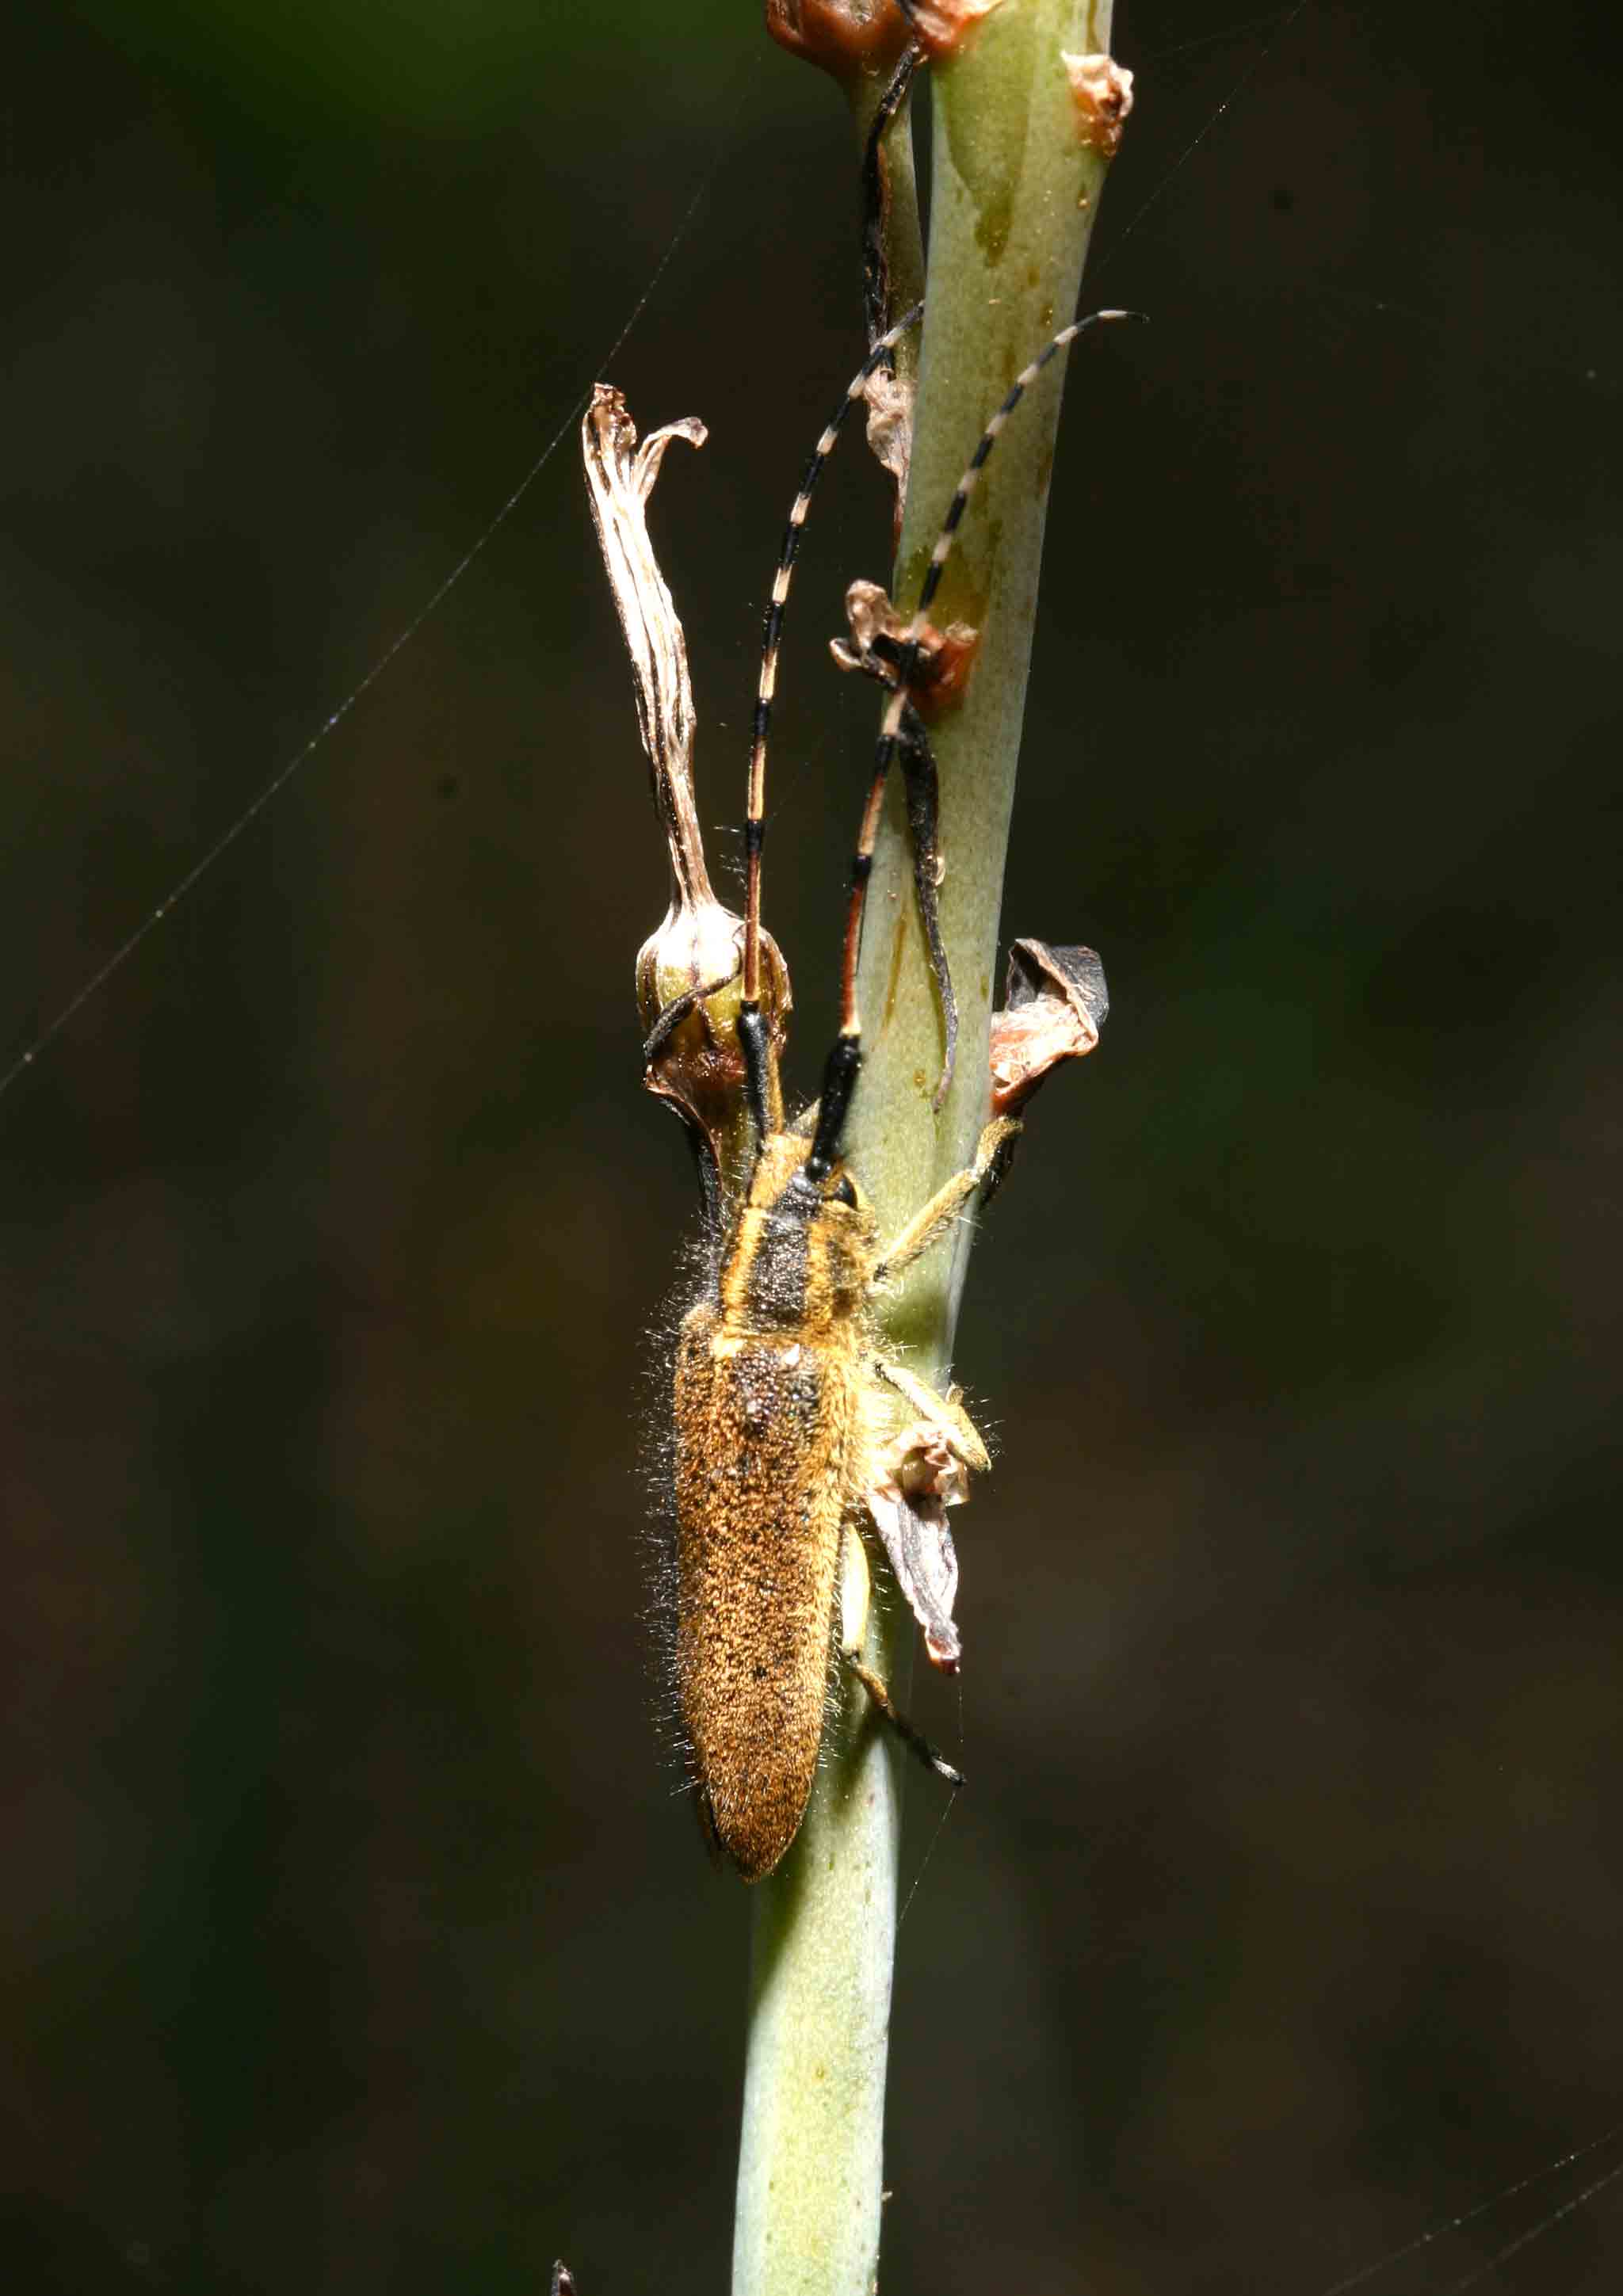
689	973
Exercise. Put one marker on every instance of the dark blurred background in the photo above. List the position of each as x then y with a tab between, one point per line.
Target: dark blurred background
357	1936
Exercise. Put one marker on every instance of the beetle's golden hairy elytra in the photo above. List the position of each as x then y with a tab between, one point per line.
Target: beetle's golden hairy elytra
781	1415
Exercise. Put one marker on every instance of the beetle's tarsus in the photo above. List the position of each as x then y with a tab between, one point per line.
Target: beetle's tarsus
915	1741
674	1013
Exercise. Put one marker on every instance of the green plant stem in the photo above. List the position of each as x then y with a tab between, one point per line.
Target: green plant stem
1014	195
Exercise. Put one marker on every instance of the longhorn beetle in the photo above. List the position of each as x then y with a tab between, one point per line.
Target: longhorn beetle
783	1392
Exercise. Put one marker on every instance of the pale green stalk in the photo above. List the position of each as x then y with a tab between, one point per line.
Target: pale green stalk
1014	195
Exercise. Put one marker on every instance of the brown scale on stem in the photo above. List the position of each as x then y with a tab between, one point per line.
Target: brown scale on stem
879	636
1102	91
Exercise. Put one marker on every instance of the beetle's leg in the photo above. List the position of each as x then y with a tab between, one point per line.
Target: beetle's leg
922	787
946	1413
913	1740
928	1225
855	1586
875	198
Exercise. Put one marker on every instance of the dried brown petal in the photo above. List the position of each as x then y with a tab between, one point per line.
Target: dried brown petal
1056	1006
921	1474
1103	92
620	477
922	1553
